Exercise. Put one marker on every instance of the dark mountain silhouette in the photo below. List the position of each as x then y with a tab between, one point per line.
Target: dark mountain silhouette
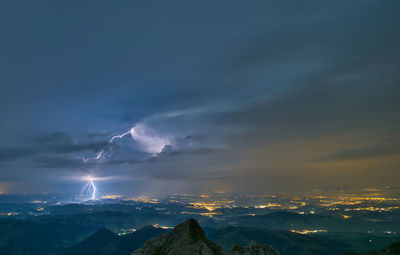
98	243
253	248
186	238
24	237
73	234
286	242
189	238
393	249
104	242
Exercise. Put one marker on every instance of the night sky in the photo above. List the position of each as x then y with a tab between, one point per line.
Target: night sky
261	96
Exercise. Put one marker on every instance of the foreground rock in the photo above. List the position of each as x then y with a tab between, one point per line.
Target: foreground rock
393	249
186	238
152	246
253	249
189	238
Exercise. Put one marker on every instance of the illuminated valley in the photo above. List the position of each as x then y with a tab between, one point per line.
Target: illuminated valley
220	209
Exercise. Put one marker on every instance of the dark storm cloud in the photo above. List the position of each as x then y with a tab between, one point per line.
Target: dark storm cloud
94	147
263	92
59	142
316	110
96	135
7	154
56	138
124	162
131	155
168	153
363	153
55	150
56	162
200	151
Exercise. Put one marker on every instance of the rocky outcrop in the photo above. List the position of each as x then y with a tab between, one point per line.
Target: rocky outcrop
393	249
253	248
186	238
152	246
189	238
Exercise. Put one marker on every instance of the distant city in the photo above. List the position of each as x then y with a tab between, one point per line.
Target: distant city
377	208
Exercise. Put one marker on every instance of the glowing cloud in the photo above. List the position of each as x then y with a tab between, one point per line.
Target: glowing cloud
148	140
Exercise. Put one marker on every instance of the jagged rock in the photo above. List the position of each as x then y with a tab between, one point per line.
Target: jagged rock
151	246
253	249
393	249
186	238
189	238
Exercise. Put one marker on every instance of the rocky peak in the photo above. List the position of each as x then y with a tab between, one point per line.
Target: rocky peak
189	229
253	248
152	246
189	238
186	238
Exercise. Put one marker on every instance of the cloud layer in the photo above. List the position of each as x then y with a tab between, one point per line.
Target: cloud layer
257	96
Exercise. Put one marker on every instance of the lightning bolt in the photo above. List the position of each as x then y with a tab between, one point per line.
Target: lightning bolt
88	188
147	141
93	188
100	153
